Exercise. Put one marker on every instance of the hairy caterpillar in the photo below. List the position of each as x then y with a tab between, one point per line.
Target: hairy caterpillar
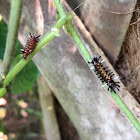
104	74
31	44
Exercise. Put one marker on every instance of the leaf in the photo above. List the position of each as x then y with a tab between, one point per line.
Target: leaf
25	78
3	34
2	129
18	47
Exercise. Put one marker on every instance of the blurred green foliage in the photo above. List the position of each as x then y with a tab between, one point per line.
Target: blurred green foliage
27	76
23	82
3	34
2	129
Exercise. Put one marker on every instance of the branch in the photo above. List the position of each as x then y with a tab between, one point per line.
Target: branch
45	40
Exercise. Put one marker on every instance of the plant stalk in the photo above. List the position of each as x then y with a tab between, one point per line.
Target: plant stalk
14	21
45	40
85	53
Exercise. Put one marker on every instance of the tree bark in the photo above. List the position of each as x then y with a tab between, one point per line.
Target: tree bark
47	106
77	89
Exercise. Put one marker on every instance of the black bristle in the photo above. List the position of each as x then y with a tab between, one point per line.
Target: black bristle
105	75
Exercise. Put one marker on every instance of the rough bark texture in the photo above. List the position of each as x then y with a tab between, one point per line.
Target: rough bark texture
79	92
107	21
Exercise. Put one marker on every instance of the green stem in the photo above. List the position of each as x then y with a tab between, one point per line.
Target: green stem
15	14
126	110
46	39
118	100
73	32
78	41
86	55
60	8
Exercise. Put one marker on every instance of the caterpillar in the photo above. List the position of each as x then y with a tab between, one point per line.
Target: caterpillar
31	44
104	74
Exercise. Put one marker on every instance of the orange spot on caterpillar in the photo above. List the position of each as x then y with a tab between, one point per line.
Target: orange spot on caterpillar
105	75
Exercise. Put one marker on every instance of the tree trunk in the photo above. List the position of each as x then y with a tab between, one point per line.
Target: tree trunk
77	89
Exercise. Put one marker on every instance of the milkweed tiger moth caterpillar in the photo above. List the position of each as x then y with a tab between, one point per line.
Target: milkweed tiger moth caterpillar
31	44
105	75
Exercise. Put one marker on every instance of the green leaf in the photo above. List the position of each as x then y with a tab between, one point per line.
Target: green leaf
25	78
2	129
18	47
3	34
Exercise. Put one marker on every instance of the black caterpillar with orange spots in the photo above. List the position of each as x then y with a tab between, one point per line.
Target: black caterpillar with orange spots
105	75
31	44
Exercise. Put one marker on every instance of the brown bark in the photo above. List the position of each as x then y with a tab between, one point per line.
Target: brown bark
79	91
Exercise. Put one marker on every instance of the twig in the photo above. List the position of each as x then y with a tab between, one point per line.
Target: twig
135	21
119	13
74	34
